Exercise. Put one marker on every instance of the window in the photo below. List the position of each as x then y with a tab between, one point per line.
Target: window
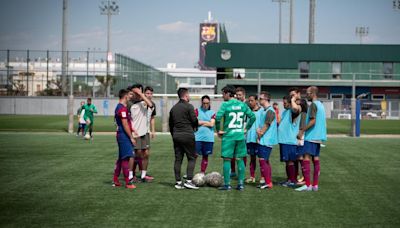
337	96
210	81
38	88
304	69
336	70
378	97
388	70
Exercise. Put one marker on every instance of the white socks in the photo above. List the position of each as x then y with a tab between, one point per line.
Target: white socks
143	174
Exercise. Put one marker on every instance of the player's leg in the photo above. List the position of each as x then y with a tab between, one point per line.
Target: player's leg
308	148
207	151
240	153
263	154
177	164
79	128
117	171
125	155
88	122
316	167
83	129
227	150
251	152
189	148
145	157
91	128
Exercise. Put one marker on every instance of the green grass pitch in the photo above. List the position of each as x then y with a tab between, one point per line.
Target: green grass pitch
56	179
41	123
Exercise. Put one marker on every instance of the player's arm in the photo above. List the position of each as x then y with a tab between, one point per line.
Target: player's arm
251	118
312	116
127	130
193	117
218	118
302	126
268	120
171	122
145	99
294	106
210	123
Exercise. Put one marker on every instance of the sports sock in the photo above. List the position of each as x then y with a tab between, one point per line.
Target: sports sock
130	175
143	174
117	170
287	170
233	165
252	166
241	171
245	161
292	173
140	163
125	170
90	131
264	169
306	172
269	168
204	163
86	129
296	168
227	172
316	172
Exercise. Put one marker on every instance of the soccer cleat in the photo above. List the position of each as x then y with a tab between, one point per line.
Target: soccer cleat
134	179
130	186
315	188
300	183
289	184
304	188
145	180
300	179
148	177
178	185
265	186
240	187
188	184
116	184
225	188
233	174
251	180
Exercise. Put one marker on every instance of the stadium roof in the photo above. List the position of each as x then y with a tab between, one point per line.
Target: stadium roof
287	56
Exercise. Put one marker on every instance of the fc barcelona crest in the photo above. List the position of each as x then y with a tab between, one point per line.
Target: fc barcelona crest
208	32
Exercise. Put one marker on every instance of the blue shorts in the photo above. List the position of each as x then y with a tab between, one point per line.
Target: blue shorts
125	148
288	152
311	148
264	151
252	148
204	148
300	151
82	125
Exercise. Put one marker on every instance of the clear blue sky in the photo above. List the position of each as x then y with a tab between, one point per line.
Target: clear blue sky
161	31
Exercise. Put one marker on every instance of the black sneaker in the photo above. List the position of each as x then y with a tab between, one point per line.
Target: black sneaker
240	187
178	185
225	188
190	185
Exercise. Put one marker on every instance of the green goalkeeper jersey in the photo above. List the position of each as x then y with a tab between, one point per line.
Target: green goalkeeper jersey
234	113
89	110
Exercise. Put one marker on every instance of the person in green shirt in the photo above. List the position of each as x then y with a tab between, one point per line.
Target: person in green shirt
90	109
233	143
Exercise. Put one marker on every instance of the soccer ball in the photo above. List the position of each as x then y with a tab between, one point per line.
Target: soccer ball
199	179
214	179
87	137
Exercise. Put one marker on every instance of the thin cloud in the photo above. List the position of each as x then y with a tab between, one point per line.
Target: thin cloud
175	27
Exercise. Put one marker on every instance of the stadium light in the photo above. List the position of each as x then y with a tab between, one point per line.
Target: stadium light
280	17
361	32
108	8
396	5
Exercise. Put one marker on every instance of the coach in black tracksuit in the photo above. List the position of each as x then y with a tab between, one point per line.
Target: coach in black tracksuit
182	124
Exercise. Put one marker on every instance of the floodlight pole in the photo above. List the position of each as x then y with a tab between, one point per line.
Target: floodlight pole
64	48
353	107
109	8
311	31
291	22
361	32
280	17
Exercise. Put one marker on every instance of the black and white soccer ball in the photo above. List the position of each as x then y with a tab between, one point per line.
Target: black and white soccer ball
214	179
199	179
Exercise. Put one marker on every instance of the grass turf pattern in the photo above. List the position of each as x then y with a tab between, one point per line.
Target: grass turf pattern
56	179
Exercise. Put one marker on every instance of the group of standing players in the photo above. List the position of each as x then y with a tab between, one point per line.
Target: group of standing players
250	127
